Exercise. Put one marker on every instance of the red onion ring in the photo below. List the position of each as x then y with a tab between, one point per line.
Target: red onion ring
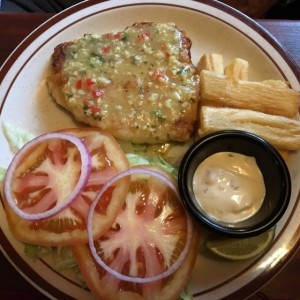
118	275
85	171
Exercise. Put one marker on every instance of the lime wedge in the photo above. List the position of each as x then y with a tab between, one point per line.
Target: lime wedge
241	248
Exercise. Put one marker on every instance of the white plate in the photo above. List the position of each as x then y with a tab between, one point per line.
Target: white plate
213	27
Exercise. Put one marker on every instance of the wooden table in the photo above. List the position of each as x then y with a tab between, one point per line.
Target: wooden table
16	26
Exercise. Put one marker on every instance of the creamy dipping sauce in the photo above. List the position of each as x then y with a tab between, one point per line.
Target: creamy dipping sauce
229	186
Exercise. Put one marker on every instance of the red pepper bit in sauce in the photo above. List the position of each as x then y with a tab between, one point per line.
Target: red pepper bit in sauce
78	84
90	105
164	48
108	36
89	82
145	36
106	49
95	109
117	35
160	76
112	36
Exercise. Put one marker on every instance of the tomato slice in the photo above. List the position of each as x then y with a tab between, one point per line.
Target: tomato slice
35	184
148	236
68	227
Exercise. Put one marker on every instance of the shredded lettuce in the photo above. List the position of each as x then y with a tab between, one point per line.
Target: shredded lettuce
166	156
158	160
155	159
35	252
186	294
15	136
136	159
2	174
16	139
63	258
129	147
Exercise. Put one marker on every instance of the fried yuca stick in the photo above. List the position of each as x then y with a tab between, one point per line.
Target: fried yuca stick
237	69
279	84
216	89
211	62
283	133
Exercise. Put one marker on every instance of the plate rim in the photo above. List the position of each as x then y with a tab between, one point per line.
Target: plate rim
266	275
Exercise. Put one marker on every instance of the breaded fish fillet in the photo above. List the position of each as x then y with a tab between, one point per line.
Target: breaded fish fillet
139	84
